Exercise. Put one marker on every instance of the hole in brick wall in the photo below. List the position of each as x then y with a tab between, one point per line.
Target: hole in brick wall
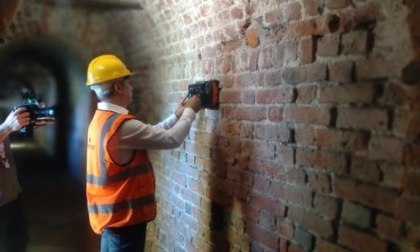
368	25
353	73
378	92
327	74
292	136
334	115
370	41
410	73
333	23
315	40
295	95
216	221
391	117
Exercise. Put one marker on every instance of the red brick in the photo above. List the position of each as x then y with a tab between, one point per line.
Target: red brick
239	239
304	74
373	196
290	53
411	155
312	7
231	45
365	169
260	184
298	195
265	58
268	169
341	140
237	13
305	136
248	80
326	246
360	241
370	69
269	204
292	11
410	182
408	209
248	96
251	37
275	114
413	126
386	148
273	78
228	112
295	248
296	176
346	93
341	71
389	228
322	160
278	55
319	182
230	96
272	132
274	96
326	206
285	228
285	154
369	119
307	115
309	27
266	237
306	50
328	46
313	222
225	64
337	4
355	43
273	17
253	61
306	94
251	113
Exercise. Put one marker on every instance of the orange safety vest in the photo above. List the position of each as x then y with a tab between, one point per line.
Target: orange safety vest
117	195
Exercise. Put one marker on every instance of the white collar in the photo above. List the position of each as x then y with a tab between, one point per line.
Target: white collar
112	107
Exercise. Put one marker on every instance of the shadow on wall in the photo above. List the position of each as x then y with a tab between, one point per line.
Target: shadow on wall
231	178
56	70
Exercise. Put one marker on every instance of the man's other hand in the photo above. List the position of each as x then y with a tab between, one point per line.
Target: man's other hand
194	103
17	119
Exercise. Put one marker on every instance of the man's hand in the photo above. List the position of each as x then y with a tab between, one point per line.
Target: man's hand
194	103
17	119
180	107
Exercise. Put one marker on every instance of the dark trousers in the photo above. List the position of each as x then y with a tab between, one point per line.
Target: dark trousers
14	235
124	239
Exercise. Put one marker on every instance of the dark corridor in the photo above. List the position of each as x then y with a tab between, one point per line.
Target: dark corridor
54	202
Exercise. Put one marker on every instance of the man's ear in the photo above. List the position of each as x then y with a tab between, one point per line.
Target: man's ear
118	87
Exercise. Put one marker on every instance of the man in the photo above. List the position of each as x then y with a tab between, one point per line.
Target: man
13	229
120	180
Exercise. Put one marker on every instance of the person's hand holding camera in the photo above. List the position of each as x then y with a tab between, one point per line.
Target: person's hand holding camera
194	103
17	119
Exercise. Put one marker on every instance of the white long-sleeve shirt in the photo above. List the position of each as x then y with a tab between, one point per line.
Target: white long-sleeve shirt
134	134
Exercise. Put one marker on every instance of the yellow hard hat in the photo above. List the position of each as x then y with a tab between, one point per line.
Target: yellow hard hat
104	68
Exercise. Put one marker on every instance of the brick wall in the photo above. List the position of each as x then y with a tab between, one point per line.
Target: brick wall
316	143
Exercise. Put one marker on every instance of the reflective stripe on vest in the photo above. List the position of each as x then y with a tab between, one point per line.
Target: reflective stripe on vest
110	208
118	195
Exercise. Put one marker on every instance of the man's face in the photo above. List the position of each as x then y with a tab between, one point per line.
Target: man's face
128	90
8	9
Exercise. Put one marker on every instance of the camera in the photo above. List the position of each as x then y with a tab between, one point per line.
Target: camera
37	112
208	91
